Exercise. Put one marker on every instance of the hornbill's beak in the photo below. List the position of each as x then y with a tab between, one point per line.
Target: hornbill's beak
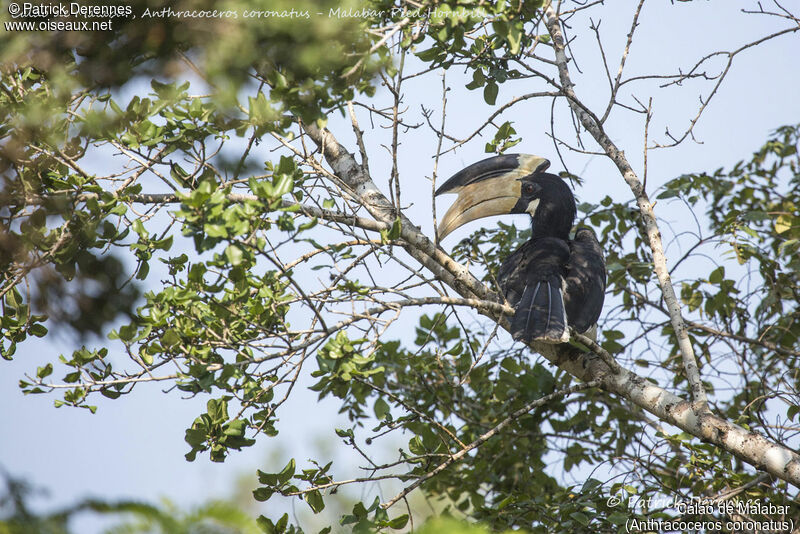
486	188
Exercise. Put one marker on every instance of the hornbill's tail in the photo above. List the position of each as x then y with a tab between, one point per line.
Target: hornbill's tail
540	314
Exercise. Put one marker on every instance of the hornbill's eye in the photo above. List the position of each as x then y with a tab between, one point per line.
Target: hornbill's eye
527	188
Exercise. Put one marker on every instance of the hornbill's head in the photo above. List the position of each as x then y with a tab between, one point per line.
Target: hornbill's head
511	183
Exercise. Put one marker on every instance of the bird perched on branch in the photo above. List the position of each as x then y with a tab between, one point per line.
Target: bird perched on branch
553	282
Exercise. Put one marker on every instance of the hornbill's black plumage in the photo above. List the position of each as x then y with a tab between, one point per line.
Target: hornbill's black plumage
553	282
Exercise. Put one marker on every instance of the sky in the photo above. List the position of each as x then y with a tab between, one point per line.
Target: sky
133	447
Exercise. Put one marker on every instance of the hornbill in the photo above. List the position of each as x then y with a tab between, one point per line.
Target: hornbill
553	282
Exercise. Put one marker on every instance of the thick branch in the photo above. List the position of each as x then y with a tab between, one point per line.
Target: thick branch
748	446
171	198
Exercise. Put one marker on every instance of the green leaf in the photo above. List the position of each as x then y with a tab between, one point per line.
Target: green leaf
283	185
344	433
514	38
490	92
38	330
630	489
399	522
505	502
783	223
381	408
717	275
273	528
262	494
478	79
618	518
429	54
127	332
287	472
45	371
234	255
580	518
314	500
396	230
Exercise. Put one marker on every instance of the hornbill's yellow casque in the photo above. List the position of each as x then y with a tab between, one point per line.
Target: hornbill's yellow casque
553	282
